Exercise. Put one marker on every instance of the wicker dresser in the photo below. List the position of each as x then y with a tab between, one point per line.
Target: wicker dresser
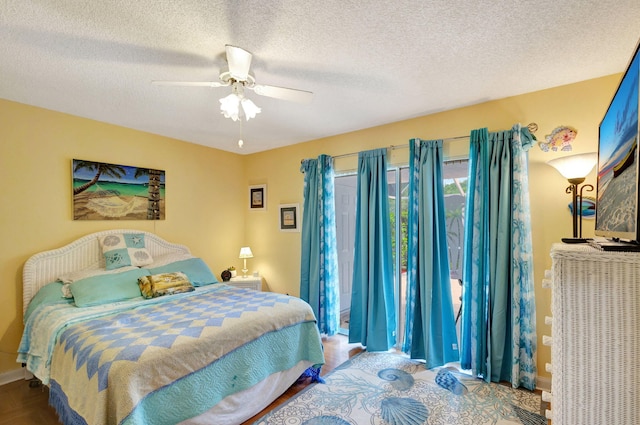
595	346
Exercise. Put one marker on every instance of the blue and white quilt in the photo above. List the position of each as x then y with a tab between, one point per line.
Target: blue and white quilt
178	355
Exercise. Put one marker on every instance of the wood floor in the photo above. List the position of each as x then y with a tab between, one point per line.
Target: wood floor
22	405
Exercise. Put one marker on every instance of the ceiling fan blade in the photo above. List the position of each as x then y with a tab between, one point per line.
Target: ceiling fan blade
189	83
294	95
239	61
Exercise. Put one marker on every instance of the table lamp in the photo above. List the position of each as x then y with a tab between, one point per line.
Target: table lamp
245	252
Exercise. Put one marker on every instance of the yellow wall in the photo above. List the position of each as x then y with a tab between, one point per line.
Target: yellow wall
204	210
207	188
580	105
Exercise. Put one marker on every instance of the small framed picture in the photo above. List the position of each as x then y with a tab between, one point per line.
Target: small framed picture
290	217
258	197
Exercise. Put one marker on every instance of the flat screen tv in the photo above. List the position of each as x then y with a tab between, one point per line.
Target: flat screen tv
617	204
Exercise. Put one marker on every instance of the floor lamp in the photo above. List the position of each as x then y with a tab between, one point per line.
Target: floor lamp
575	169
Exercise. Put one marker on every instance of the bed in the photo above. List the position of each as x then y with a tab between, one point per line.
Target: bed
190	351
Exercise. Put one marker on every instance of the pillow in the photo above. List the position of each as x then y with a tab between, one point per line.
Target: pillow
196	270
107	288
68	278
48	294
124	249
158	285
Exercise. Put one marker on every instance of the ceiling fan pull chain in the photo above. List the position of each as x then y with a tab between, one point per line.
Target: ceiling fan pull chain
240	142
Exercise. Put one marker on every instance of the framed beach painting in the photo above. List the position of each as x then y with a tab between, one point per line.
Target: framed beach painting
258	197
290	217
103	191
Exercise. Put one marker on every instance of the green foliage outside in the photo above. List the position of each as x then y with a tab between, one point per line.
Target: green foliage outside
452	188
404	222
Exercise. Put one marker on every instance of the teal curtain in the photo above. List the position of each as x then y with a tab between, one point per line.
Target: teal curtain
498	308
430	331
319	285
372	320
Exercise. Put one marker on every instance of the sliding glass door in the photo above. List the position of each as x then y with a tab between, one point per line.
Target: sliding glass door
345	199
455	177
398	185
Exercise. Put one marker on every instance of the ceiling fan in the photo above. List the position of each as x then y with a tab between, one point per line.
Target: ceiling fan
239	77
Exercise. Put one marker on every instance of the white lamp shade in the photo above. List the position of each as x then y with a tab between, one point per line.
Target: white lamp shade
250	109
575	166
245	252
230	106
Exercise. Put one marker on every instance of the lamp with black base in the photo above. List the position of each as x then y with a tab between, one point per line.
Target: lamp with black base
575	168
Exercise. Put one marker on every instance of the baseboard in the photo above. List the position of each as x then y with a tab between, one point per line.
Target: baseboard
543	383
12	375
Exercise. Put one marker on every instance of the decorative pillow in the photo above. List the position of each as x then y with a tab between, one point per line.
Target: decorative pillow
196	270
125	249
158	285
107	288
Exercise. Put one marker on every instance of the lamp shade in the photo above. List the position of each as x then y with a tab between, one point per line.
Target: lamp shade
230	106
575	166
245	252
250	109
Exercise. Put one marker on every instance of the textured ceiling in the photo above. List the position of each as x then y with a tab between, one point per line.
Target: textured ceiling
367	62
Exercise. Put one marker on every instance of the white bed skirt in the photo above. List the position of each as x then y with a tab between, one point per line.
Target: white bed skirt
239	407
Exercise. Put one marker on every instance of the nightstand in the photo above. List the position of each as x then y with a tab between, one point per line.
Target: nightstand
250	282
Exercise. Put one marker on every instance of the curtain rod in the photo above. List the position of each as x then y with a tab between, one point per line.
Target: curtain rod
394	147
533	127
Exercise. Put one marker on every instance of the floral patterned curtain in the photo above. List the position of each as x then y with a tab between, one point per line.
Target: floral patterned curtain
499	339
319	284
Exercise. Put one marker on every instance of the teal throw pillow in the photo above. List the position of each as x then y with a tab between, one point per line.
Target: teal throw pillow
196	270
107	288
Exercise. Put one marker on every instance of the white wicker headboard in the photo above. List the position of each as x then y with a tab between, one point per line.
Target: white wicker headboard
81	254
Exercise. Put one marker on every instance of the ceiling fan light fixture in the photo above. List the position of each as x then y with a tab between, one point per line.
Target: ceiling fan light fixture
250	109
230	106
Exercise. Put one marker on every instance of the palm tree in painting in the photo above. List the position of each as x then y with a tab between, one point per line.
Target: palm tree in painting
153	205
99	168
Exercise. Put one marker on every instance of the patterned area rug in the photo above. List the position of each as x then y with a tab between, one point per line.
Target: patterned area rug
384	388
